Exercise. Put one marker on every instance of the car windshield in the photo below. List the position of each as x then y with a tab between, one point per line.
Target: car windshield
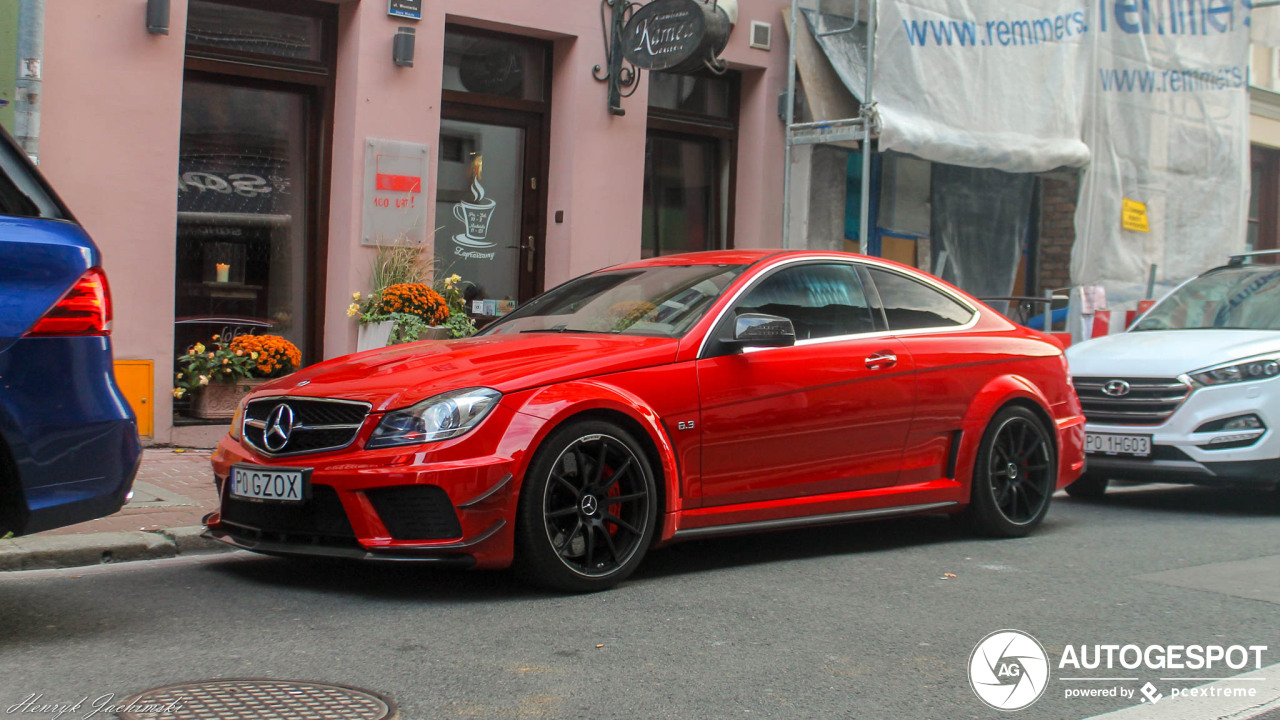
661	301
1239	298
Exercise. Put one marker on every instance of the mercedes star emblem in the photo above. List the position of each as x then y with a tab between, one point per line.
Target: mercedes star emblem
279	426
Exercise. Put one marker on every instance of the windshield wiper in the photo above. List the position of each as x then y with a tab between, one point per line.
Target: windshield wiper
562	330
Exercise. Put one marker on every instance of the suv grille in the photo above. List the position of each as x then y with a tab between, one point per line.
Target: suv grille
293	426
1149	401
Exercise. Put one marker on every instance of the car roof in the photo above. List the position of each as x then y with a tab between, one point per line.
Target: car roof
735	257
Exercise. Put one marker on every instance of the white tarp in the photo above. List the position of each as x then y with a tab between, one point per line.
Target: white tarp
1265	26
983	84
1167	121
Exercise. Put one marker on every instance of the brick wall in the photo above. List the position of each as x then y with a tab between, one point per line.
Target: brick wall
1057	230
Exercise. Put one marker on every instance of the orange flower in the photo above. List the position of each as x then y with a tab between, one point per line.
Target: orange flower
275	355
415	299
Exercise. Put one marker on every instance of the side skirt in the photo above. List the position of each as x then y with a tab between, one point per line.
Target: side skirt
808	521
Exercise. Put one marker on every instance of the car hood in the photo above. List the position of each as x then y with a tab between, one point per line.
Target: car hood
401	375
1166	353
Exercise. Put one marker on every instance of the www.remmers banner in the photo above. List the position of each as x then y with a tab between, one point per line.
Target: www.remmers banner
1167	120
983	84
1151	95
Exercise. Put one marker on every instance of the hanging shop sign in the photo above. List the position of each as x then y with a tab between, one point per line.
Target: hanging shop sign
394	204
676	36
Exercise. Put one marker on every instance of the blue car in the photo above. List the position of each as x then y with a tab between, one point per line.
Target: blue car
69	444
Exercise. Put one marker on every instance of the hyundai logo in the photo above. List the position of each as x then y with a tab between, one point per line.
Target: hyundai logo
1116	388
279	427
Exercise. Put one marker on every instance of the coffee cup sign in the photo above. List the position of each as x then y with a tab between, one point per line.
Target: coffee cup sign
475	215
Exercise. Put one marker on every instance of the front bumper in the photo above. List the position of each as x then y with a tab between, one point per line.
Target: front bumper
1179	454
452	502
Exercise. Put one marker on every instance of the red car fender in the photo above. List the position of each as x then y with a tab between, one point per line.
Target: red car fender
557	404
997	393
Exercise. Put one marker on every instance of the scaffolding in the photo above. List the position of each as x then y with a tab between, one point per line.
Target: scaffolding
861	128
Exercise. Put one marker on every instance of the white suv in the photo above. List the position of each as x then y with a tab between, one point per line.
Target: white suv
1191	392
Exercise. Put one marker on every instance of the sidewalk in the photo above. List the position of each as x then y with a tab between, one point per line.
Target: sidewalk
172	492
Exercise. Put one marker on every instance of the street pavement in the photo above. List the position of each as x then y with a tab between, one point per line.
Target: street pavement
875	620
172	492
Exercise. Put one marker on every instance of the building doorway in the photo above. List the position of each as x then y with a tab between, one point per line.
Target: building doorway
256	103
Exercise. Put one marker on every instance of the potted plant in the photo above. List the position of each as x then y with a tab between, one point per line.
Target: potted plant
417	311
459	323
395	264
214	377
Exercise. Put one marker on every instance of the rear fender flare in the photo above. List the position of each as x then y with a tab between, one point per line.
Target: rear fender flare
997	393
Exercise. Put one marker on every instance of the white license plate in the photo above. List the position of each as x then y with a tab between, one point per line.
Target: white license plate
1109	444
259	482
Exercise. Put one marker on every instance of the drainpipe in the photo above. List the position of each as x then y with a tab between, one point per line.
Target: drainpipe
26	106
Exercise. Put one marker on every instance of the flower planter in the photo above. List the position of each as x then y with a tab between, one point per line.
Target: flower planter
435	332
374	335
218	401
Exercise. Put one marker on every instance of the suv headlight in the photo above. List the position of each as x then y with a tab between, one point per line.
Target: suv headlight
437	418
1263	368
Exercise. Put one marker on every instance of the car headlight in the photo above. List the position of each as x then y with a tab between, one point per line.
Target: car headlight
436	418
237	420
1256	369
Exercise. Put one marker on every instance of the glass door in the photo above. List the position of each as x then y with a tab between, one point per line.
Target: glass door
487	205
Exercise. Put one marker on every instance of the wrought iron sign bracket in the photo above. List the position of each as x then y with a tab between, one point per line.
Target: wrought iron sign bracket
620	73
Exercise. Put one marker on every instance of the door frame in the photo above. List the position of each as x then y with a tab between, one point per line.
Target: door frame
533	202
318	80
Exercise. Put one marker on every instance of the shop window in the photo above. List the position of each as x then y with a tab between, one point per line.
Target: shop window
234	31
690	154
479	62
1264	200
250	201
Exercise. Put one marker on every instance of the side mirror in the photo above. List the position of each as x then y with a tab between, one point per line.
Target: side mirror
760	330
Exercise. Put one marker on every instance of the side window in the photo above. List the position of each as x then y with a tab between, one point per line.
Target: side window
821	300
910	304
22	194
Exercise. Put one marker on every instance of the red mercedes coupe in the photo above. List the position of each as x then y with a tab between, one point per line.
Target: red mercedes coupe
669	399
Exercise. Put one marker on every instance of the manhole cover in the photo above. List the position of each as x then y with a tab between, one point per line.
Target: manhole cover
256	700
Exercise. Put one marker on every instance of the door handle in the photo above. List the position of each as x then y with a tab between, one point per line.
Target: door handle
881	360
530	250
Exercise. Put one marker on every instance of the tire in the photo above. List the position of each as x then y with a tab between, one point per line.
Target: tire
1088	486
1014	477
588	509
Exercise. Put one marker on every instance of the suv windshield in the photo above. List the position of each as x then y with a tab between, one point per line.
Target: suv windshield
1236	298
663	301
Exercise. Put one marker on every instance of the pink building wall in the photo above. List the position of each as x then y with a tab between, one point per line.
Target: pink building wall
109	144
111	129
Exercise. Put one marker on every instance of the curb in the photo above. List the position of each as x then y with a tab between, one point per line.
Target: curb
64	551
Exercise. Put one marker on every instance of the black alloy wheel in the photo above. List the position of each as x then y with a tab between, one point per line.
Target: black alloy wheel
1015	475
587	509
